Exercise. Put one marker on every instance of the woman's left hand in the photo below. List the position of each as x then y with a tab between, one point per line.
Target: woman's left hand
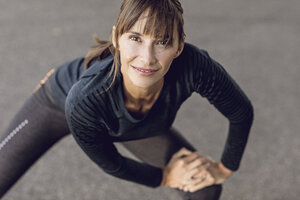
216	173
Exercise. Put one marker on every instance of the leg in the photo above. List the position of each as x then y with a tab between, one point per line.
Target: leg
158	150
33	130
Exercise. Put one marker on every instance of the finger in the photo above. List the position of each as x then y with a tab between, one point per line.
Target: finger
208	181
194	165
188	177
182	152
209	159
204	167
198	176
194	177
195	171
198	163
191	157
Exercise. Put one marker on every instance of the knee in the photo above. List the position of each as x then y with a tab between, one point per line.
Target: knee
209	193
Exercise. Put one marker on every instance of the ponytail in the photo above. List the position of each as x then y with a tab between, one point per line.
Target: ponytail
100	51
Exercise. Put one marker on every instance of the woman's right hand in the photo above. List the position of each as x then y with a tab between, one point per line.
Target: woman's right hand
182	167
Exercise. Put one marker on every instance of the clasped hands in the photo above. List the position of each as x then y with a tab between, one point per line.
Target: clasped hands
191	171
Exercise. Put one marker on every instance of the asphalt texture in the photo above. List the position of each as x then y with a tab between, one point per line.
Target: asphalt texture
258	42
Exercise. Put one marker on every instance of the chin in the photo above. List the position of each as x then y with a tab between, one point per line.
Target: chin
143	83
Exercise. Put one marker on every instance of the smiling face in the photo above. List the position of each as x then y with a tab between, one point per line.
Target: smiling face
144	59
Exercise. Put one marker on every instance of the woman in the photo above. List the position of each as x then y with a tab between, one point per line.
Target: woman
129	90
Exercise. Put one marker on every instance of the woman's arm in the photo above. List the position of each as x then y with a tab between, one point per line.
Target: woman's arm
92	137
211	81
208	78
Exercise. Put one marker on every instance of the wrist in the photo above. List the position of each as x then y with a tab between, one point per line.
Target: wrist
225	171
164	178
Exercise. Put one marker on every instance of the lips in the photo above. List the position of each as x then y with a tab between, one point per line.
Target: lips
144	71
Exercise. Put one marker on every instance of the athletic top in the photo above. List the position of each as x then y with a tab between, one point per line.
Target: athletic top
97	116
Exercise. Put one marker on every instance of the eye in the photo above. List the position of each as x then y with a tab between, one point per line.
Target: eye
134	38
161	42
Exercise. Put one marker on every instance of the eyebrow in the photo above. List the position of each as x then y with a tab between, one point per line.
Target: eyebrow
134	32
137	33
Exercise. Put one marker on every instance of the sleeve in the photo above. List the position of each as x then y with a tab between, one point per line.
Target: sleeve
92	137
211	81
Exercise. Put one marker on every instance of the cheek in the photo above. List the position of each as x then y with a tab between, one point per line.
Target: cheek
166	59
127	52
131	52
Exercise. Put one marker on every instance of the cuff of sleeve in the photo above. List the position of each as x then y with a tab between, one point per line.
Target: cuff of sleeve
230	165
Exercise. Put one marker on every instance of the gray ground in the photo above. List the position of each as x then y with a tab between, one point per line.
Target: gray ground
258	42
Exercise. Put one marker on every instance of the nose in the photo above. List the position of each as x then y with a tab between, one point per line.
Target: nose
148	55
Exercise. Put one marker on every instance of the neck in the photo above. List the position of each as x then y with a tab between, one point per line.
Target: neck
138	96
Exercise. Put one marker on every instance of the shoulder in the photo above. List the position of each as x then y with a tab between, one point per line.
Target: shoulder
191	50
98	67
192	58
73	63
95	78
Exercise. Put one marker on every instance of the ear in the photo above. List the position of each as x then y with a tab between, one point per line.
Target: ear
180	49
113	38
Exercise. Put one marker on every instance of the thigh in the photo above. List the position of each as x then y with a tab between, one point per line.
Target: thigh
35	128
158	151
209	193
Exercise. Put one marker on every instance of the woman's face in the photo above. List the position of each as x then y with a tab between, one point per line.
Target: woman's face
144	59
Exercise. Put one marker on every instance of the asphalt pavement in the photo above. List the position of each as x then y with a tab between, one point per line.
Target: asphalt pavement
256	41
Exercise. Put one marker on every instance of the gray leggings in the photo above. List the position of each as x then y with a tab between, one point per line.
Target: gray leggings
40	123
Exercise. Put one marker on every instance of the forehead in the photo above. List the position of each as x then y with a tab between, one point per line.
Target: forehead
140	25
148	24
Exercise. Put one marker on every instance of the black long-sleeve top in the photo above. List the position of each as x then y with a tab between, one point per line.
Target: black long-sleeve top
97	115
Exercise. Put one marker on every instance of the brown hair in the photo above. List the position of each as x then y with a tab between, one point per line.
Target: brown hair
161	13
